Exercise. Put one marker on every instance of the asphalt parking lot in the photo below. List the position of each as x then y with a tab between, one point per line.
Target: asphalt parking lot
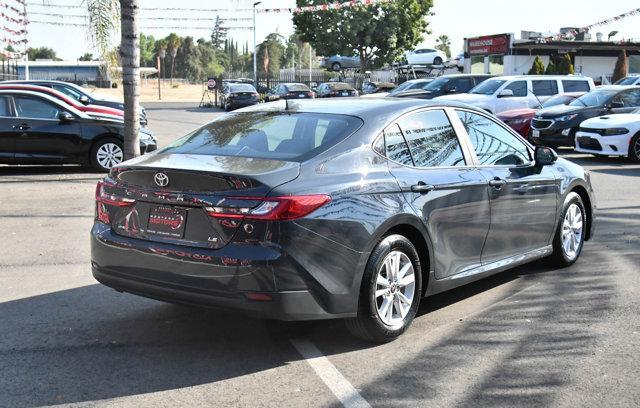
533	336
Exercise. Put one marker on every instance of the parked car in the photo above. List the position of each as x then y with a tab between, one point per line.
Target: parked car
338	62
629	80
425	56
377	87
335	89
238	95
457	61
611	135
504	93
37	128
290	91
446	85
81	95
557	126
350	209
520	119
411	84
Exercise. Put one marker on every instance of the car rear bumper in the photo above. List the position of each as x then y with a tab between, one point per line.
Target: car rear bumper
261	281
594	143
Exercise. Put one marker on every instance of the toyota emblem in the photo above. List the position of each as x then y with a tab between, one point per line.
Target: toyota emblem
161	179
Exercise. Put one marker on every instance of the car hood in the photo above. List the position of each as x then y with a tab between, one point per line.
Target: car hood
609	121
517	113
560	110
106	98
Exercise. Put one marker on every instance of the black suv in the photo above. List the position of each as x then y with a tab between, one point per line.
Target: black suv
557	125
445	85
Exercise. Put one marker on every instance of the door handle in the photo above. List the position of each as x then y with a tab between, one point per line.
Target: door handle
497	182
422	187
23	126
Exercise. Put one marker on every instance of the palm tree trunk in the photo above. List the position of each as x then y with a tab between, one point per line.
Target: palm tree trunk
130	55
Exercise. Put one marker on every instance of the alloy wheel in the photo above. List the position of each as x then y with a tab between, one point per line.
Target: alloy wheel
572	226
394	288
636	148
109	154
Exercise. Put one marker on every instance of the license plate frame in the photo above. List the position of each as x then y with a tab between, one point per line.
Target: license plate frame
345	93
167	221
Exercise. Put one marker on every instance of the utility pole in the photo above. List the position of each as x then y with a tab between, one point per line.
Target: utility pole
310	51
255	66
159	91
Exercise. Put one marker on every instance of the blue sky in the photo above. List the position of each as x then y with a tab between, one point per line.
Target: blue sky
456	18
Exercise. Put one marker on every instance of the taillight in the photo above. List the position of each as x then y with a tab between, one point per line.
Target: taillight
103	197
272	208
311	94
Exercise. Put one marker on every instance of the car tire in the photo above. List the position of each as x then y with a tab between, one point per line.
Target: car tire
437	61
336	66
569	239
393	273
105	154
634	148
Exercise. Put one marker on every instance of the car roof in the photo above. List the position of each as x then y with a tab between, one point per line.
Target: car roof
466	75
361	107
292	83
44	96
567	77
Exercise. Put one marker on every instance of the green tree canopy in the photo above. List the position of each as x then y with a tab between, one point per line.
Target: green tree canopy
443	43
86	57
551	68
270	54
42	53
147	50
378	33
537	68
565	67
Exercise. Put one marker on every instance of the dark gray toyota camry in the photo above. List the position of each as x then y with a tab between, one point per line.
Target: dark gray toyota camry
353	208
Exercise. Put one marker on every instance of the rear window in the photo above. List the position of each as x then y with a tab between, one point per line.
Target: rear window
576	86
339	86
242	88
544	87
267	135
297	88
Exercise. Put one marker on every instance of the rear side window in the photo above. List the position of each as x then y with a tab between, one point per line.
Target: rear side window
519	88
544	87
432	140
575	86
4	106
68	91
463	84
268	135
396	146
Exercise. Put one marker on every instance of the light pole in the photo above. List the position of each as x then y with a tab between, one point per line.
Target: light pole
255	69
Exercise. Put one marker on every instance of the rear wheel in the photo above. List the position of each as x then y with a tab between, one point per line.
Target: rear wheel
390	292
569	238
437	61
634	148
106	153
336	66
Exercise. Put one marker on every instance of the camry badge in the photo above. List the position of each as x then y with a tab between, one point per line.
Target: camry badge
161	179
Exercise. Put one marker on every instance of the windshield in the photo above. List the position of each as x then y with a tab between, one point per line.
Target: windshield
558	100
267	135
297	88
593	98
437	84
627	81
242	88
488	87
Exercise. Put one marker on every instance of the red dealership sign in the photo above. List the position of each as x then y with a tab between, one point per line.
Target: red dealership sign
490	44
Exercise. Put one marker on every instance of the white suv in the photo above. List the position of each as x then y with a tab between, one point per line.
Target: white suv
504	93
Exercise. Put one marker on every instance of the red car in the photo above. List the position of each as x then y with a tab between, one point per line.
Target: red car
94	110
520	119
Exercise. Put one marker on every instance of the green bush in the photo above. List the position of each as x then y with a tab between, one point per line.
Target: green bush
551	68
537	68
565	67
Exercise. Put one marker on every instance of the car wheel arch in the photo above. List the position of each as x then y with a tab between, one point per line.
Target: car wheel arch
586	200
100	138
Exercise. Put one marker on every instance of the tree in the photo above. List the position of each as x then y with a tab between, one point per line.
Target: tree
147	50
218	34
551	68
537	68
565	67
443	43
173	42
86	57
42	53
377	33
270	52
620	71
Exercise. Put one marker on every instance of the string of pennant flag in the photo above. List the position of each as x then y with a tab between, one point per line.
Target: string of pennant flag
12	8
601	23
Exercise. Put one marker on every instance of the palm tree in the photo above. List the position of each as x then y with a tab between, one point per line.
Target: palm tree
173	42
105	17
444	44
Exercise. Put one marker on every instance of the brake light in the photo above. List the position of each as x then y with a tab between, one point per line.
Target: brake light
272	208
103	197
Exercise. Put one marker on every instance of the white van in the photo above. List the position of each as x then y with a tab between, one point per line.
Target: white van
504	93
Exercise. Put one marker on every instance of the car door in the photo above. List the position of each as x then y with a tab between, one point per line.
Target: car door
449	195
8	130
43	135
520	98
523	197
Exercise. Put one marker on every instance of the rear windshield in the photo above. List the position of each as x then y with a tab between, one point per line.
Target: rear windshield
340	86
297	88
594	98
630	80
488	87
242	88
267	135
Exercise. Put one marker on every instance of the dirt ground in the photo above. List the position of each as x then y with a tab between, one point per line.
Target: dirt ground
149	92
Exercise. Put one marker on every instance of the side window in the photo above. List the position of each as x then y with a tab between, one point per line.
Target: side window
494	145
463	84
545	87
519	88
575	86
631	98
432	140
5	110
396	146
68	91
35	108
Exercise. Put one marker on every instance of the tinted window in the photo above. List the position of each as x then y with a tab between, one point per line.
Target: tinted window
68	91
558	100
493	144
631	98
35	108
339	86
432	140
463	84
4	106
242	88
519	88
269	135
298	88
594	98
544	87
396	146
575	86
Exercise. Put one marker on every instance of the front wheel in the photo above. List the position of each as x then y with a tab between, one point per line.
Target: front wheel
634	148
390	291
105	154
569	237
437	61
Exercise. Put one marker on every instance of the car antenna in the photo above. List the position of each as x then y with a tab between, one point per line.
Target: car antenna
286	104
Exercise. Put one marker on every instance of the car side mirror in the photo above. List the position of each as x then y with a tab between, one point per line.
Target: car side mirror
505	93
545	156
84	99
616	105
65	117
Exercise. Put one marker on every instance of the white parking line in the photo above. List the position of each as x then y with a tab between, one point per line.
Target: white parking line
329	374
